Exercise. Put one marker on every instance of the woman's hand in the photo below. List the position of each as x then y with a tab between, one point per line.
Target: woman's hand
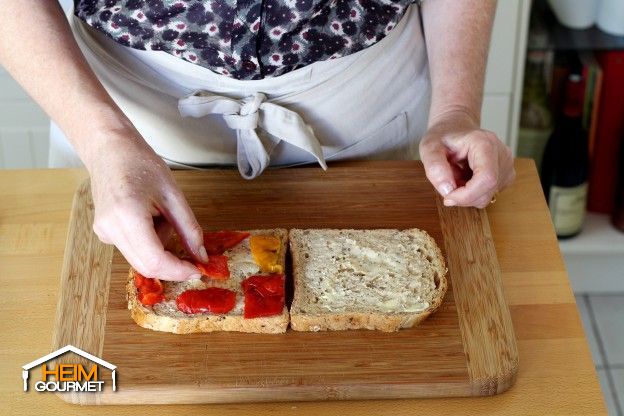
466	164
137	204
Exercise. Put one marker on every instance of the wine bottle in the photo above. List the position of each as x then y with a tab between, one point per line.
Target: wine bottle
565	164
535	116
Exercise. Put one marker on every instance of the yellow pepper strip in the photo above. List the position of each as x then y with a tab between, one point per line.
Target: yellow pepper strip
265	250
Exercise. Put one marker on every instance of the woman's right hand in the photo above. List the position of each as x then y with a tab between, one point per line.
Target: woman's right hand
138	204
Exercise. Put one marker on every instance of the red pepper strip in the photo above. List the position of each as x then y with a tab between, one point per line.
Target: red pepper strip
217	242
150	299
146	284
212	299
216	268
149	291
264	295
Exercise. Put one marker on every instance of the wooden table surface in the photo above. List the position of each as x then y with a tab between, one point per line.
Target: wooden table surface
556	376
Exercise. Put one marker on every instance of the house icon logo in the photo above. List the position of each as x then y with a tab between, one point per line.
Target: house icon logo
69	377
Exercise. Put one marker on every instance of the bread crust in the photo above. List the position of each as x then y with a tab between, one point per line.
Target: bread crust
387	322
145	316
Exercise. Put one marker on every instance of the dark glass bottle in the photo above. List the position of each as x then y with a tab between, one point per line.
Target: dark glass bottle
535	116
566	163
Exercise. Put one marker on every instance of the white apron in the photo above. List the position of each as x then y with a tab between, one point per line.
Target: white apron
372	104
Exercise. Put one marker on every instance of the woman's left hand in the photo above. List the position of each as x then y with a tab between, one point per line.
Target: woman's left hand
466	164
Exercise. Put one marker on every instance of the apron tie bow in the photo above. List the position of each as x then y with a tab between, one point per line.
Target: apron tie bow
245	116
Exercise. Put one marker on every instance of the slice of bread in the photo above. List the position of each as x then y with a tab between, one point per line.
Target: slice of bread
165	316
364	279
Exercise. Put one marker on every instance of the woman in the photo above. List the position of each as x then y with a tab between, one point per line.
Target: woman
132	83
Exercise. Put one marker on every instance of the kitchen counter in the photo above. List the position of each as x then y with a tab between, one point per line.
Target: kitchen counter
556	375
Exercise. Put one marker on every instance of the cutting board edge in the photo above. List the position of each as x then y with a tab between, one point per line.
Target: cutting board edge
495	370
201	395
71	326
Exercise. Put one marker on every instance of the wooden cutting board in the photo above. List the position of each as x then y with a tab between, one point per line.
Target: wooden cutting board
467	348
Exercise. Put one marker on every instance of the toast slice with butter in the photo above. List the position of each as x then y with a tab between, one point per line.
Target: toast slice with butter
364	279
241	289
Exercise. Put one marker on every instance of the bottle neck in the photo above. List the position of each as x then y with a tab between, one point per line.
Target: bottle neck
573	104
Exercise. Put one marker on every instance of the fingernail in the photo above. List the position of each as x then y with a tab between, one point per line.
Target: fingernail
446	188
449	203
194	277
203	255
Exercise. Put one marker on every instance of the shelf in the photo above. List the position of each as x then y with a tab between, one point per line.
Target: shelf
599	236
546	33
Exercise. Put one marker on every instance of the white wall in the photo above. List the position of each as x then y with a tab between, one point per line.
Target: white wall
23	127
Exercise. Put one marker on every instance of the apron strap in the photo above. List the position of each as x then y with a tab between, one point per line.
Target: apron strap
244	116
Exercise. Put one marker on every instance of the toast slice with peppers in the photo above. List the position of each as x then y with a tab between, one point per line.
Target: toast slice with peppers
364	279
241	289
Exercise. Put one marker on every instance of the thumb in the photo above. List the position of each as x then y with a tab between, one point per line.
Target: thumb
181	216
437	167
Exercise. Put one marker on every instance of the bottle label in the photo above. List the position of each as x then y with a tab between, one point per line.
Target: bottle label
567	208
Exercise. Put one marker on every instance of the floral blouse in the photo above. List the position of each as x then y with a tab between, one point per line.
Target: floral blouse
245	39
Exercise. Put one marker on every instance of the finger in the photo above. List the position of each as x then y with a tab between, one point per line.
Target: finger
178	212
483	160
511	177
142	243
483	201
507	166
121	242
101	233
164	229
462	172
437	167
